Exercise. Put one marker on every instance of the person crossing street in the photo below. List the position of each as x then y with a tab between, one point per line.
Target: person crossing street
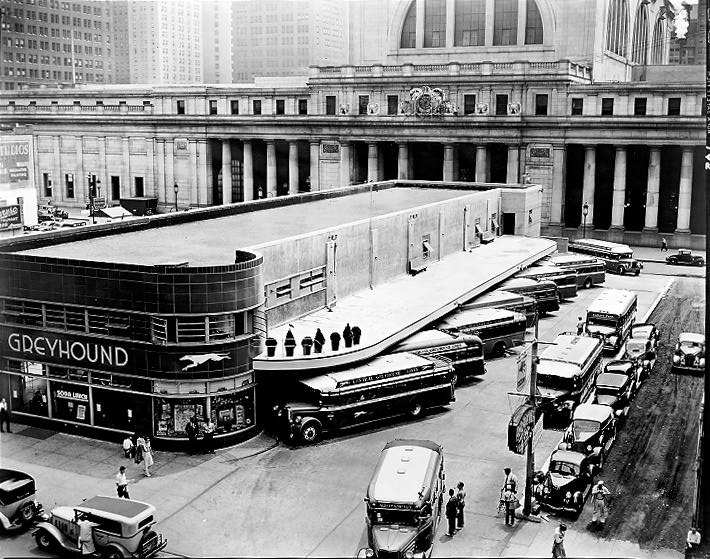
600	496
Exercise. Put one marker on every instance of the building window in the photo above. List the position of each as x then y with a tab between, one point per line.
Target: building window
280	106
138	182
330	104
469	104
392	104
640	106
363	102
256	106
607	106
577	105
434	23
234	106
409	29
617	27
533	24
303	106
639	45
501	104
213	106
673	106
69	184
470	23
541	105
180	107
658	42
505	22
47	184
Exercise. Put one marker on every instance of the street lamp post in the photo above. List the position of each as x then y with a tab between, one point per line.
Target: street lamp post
585	213
176	188
92	197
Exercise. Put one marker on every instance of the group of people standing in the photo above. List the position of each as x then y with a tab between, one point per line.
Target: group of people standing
137	448
454	509
193	431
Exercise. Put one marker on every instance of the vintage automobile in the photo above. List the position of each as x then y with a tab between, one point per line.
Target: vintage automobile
592	431
685	257
689	353
615	390
18	506
567	483
642	344
632	369
118	527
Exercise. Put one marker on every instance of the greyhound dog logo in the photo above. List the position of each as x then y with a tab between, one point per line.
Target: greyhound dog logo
196	360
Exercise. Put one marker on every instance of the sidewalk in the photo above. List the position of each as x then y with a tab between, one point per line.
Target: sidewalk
650	254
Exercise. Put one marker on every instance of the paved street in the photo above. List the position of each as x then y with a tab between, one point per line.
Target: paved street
236	502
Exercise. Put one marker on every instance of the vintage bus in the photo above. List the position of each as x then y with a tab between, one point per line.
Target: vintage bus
389	385
566	280
465	351
610	317
566	373
543	291
617	258
498	329
405	499
590	270
508	300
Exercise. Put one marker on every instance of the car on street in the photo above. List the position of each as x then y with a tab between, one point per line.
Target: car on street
567	483
642	342
18	506
113	527
615	390
592	431
627	367
685	258
689	354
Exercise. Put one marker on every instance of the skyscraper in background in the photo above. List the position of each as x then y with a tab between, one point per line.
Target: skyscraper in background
216	41
691	49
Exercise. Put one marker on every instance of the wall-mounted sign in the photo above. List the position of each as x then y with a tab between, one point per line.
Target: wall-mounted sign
14	161
10	216
180	144
540	153
520	428
72	395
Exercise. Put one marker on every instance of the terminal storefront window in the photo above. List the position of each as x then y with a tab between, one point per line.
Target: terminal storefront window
172	414
70	402
233	412
121	410
28	394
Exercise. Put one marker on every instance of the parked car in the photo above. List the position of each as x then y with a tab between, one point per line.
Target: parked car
631	369
686	258
48	212
643	338
689	353
18	506
567	483
119	528
615	390
592	431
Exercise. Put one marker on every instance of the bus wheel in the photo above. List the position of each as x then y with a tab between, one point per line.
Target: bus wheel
587	283
415	409
310	432
499	349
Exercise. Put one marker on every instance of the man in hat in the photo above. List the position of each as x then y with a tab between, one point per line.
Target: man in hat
558	546
692	541
600	494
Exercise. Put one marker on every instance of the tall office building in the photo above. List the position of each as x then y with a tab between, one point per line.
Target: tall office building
284	38
691	48
216	41
54	43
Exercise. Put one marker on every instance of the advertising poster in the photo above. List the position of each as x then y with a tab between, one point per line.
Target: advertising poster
15	161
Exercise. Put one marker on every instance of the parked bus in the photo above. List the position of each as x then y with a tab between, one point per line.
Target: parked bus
388	385
404	500
465	351
610	317
590	270
508	300
543	291
498	329
566	373
617	258
565	280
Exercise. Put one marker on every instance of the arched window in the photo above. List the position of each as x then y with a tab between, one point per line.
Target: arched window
639	45
409	29
617	27
470	23
659	41
533	24
435	23
505	22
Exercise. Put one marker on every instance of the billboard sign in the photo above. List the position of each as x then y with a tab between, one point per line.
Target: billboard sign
10	217
15	160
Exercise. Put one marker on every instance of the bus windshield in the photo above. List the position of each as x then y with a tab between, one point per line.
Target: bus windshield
555	382
393	516
611	322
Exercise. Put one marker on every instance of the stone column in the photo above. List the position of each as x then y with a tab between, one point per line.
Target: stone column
511	176
481	163
160	171
169	171
58	184
149	184
81	177
345	169
448	172
292	168
126	186
685	190
372	161
271	187
202	164
419	41
558	184
619	197
248	171
194	188
403	161
315	166
522	14
653	189
226	172
450	22
490	14
590	166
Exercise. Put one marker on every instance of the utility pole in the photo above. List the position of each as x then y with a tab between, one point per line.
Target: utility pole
530	466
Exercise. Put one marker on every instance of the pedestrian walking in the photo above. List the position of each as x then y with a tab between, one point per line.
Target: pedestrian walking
208	439
580	326
664	244
122	483
692	541
128	447
558	545
452	510
139	450
4	416
510	502
461	499
147	453
600	495
511	481
191	431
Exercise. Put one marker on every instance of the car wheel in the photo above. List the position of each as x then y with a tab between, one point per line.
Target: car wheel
620	270
701	263
26	513
415	409
44	540
113	554
310	433
587	283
